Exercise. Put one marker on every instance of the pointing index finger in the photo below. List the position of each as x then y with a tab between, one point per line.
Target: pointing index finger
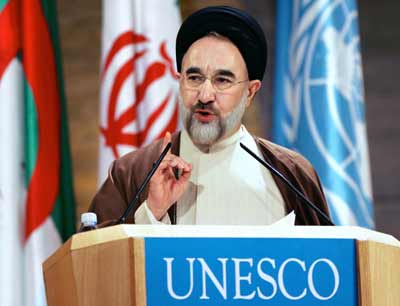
166	147
166	141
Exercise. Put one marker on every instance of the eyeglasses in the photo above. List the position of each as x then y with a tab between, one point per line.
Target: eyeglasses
219	82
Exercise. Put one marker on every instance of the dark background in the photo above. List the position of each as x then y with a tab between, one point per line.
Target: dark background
80	31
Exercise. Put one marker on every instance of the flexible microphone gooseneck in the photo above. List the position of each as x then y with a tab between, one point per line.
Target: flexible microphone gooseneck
311	205
134	202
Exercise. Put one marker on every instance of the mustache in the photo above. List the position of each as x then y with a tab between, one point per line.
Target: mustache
205	106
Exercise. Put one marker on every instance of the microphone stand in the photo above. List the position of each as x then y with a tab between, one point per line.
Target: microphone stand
311	205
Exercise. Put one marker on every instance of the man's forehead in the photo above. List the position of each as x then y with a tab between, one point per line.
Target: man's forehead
214	55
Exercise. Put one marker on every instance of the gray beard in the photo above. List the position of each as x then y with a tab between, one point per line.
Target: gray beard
205	135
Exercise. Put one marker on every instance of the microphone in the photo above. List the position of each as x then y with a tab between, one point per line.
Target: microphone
311	205
134	202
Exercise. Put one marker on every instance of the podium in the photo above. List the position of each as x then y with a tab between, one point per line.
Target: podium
139	265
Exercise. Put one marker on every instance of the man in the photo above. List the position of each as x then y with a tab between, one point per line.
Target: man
207	178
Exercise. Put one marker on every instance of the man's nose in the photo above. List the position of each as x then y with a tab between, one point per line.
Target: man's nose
207	92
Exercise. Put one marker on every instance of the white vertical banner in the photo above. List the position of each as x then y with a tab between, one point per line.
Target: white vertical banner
139	87
12	185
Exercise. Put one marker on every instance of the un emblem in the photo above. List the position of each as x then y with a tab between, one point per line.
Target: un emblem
325	102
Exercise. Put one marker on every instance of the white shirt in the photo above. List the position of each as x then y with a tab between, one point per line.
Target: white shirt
226	187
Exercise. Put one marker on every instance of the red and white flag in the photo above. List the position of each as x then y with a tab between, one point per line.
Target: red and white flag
139	88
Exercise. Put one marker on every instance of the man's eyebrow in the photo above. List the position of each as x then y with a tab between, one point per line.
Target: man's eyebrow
193	70
221	72
225	72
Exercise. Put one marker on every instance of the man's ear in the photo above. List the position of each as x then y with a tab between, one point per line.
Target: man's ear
254	86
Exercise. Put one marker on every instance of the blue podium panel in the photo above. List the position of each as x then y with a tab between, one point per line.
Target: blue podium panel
251	271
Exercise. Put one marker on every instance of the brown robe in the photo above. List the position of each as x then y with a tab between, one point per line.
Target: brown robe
128	172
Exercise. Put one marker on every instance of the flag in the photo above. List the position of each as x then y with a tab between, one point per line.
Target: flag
37	203
139	88
319	101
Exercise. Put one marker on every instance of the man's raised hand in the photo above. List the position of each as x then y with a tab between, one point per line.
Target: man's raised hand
165	188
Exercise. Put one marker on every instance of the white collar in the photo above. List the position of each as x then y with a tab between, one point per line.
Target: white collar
217	147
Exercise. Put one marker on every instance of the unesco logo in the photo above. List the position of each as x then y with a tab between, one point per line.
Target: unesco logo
249	278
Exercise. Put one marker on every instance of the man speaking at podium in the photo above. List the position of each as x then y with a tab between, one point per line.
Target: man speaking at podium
207	178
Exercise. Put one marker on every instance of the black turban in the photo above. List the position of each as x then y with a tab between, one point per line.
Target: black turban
238	26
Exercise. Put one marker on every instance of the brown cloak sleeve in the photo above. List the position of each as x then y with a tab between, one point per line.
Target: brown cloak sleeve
125	176
302	175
